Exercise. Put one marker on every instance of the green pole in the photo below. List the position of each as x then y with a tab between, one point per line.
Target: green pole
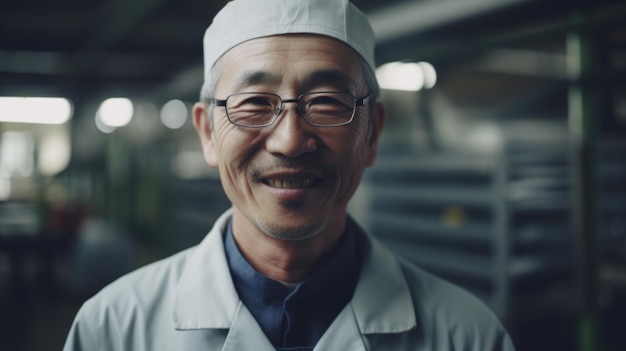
583	120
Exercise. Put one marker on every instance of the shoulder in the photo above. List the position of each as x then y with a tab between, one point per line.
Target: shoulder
135	305
447	311
145	290
436	295
144	282
136	312
444	316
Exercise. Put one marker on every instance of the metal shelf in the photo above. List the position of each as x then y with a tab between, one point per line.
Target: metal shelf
471	196
403	228
485	222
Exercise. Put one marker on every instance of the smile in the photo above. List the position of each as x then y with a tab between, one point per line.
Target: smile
290	184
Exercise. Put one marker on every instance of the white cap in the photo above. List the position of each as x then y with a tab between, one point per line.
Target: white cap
243	20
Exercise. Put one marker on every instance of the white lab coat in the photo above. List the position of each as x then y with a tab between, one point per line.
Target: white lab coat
188	302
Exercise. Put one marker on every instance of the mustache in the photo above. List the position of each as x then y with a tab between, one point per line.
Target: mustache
279	162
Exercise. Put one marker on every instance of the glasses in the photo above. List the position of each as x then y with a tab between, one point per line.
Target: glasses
320	109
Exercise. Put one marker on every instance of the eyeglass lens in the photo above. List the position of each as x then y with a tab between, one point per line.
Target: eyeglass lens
261	109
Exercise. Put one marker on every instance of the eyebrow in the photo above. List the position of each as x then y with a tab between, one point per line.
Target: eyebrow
249	78
333	77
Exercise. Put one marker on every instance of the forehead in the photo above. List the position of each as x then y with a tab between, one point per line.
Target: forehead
296	58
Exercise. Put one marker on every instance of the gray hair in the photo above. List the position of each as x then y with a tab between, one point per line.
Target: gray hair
208	88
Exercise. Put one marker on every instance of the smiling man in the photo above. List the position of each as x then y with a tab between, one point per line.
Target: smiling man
289	115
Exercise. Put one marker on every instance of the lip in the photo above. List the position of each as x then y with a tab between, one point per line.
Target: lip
291	179
300	183
291	185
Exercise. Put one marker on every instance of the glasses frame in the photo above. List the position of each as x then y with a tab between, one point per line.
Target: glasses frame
357	103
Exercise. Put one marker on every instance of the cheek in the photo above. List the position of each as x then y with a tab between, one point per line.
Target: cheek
351	153
360	140
233	164
235	148
231	143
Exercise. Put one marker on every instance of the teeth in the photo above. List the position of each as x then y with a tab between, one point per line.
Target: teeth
289	184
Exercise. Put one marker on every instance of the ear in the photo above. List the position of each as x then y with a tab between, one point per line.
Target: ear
377	123
203	125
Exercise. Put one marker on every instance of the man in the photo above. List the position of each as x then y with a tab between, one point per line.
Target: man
290	118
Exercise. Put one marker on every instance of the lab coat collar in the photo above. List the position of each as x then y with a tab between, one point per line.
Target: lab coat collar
245	334
382	300
206	298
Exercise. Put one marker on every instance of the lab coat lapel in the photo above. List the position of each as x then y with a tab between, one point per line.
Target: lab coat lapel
205	296
378	310
246	334
343	333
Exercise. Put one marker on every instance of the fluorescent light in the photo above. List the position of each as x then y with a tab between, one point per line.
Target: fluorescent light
406	76
104	128
42	110
174	114
430	74
17	154
54	153
116	112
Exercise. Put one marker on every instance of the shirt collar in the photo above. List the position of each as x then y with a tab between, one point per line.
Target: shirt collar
299	317
335	271
206	298
247	280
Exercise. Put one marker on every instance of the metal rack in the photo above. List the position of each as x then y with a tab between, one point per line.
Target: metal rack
498	225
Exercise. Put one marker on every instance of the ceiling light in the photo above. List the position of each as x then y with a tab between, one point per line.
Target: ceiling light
406	76
430	74
54	153
116	112
174	114
43	110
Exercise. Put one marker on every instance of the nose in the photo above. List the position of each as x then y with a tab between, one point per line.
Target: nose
290	135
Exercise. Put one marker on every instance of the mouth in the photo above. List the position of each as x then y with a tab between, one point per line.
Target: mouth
291	183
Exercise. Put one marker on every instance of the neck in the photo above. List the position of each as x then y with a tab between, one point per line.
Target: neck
281	260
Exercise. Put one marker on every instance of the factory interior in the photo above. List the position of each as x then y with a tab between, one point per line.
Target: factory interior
502	167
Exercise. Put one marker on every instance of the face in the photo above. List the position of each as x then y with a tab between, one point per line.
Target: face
290	180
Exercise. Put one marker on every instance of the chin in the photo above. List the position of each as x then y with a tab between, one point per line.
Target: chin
297	232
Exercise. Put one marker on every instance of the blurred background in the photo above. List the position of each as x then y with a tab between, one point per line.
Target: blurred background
502	168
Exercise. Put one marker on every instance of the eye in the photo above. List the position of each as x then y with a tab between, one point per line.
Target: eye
325	100
325	103
257	101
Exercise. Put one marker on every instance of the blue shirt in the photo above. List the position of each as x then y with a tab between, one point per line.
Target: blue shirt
295	319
